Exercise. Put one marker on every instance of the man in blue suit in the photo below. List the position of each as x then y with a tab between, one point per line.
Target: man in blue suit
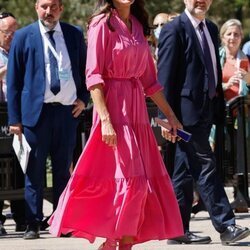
189	70
46	94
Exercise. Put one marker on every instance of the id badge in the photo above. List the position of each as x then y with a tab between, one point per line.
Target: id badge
64	75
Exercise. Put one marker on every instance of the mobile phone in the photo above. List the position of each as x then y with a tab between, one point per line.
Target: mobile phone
184	135
244	63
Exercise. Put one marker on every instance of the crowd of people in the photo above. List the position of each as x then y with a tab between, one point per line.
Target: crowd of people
120	188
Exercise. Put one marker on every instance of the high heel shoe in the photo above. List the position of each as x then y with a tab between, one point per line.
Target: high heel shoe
108	245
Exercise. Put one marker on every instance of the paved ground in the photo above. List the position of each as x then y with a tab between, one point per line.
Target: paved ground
199	224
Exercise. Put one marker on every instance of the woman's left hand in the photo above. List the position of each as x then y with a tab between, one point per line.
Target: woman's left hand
171	135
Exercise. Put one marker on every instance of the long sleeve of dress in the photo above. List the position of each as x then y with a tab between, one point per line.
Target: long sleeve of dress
96	52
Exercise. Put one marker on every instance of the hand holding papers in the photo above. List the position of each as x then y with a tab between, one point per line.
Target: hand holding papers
184	135
22	150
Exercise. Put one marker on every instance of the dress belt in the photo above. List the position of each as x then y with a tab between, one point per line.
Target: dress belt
54	103
122	78
133	80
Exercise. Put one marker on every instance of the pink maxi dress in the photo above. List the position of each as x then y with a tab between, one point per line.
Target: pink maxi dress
126	190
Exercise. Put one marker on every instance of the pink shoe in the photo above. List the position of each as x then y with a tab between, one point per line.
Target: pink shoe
108	245
125	246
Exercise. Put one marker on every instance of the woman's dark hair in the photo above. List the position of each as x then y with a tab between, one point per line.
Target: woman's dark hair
137	10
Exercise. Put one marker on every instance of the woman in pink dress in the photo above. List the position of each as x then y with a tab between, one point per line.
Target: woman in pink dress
120	189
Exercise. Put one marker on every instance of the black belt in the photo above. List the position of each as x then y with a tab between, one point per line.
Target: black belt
54	103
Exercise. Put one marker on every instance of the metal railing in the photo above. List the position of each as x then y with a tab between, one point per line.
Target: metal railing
234	162
11	176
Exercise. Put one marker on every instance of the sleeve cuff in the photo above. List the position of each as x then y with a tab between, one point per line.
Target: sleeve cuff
93	80
153	89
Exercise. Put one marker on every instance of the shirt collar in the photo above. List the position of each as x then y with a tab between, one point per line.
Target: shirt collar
4	52
195	21
44	29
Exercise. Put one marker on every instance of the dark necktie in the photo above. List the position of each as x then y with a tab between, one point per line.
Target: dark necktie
2	96
54	76
208	62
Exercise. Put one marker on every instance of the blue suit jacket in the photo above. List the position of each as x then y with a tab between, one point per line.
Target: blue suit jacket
182	72
26	71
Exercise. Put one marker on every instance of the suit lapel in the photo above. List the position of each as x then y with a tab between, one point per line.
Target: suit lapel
69	43
214	37
37	44
193	37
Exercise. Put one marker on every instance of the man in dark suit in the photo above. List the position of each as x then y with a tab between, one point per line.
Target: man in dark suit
189	70
46	94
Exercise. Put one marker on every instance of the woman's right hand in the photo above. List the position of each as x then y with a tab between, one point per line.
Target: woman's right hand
108	133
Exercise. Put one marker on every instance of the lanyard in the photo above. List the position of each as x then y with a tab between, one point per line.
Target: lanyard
58	57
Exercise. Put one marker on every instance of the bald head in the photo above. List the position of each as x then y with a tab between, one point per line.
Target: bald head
160	19
9	22
8	26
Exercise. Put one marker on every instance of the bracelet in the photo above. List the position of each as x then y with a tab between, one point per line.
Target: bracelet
106	118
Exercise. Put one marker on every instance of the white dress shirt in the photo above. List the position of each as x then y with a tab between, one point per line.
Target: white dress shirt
195	22
67	94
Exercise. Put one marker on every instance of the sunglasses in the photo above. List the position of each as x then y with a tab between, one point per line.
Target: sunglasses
6	14
157	25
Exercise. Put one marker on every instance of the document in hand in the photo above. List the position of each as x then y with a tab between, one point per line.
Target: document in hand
22	150
184	135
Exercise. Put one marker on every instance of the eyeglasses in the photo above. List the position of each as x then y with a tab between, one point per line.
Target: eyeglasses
6	14
7	32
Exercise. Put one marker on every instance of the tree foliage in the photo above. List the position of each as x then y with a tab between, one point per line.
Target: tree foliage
78	11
